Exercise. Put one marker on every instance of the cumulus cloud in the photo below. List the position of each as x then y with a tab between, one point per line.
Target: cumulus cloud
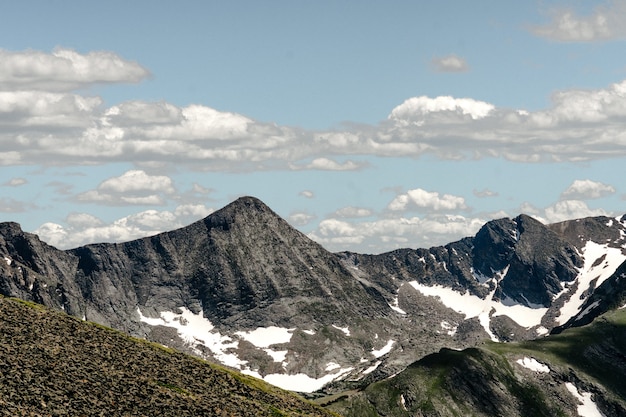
47	124
83	228
134	187
449	63
300	218
416	108
429	200
587	189
365	236
606	22
65	70
571	209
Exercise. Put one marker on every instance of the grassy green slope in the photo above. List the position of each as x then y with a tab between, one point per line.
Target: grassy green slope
488	381
54	365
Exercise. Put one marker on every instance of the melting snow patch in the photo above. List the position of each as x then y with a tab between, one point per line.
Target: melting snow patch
396	308
277	355
542	331
298	382
264	337
403	402
330	366
450	329
309	332
384	350
588	407
533	365
343	329
591	270
196	330
473	306
8	260
372	368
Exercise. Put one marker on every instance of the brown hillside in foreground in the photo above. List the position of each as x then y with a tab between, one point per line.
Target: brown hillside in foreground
54	365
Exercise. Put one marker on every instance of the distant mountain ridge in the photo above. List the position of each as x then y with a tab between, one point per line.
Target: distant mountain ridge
246	289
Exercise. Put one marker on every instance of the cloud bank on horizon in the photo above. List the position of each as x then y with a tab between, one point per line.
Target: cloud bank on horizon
159	164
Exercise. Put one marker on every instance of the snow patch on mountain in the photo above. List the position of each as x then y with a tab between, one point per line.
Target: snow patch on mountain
395	306
298	382
588	407
372	368
264	337
472	306
534	365
449	328
384	350
8	260
343	329
196	330
277	355
600	262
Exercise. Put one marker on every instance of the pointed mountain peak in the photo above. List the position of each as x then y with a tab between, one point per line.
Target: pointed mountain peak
245	209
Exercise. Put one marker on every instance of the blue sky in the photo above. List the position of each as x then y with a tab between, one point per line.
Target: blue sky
367	125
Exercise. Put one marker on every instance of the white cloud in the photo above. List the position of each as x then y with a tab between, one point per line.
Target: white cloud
11	205
54	126
327	164
353	212
300	218
22	111
587	189
83	228
307	194
485	193
430	200
199	189
603	24
414	109
15	182
64	70
137	180
338	235
571	209
134	187
450	63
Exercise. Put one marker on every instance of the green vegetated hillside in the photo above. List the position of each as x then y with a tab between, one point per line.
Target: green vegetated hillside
490	380
54	365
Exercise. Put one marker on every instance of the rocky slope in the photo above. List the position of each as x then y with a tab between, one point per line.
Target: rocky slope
577	373
244	288
55	365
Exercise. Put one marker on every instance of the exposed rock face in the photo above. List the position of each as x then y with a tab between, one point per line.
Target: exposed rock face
208	287
539	264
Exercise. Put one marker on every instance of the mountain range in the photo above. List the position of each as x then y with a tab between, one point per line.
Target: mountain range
245	289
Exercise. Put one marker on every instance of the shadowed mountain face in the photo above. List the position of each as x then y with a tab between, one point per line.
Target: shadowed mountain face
246	289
